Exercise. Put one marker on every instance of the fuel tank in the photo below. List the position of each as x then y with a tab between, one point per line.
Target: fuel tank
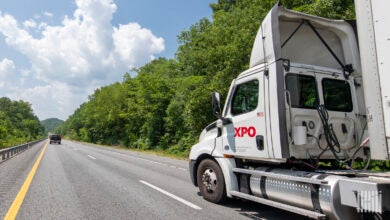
323	198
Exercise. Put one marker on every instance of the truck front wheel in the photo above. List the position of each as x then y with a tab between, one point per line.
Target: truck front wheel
211	182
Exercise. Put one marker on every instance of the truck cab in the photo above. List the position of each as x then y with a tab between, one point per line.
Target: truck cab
301	103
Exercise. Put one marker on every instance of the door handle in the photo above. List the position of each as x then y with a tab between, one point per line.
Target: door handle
260	142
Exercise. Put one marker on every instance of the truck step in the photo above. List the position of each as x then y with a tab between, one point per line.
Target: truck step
280	176
304	212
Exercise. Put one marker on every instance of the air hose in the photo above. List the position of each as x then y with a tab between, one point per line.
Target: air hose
330	136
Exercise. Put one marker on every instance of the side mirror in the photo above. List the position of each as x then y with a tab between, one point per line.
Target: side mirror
216	104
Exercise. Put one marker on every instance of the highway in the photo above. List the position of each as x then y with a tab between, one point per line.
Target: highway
82	181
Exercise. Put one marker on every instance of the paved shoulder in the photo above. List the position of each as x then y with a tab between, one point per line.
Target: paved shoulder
13	173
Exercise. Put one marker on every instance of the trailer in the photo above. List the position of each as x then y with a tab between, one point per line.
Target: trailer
308	107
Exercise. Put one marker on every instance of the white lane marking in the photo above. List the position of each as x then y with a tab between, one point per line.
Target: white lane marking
93	158
151	161
172	196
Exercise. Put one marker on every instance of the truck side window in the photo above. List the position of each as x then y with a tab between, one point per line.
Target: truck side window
245	97
337	95
303	91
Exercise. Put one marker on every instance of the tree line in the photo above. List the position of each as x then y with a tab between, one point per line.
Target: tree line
51	124
165	104
18	123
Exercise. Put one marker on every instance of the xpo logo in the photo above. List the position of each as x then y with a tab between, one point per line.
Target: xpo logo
242	131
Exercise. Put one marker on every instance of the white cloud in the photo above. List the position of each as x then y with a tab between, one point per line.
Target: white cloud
7	68
84	52
132	39
29	24
7	74
48	14
7	71
42	26
52	100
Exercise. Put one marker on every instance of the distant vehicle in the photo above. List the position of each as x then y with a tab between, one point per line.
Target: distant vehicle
55	138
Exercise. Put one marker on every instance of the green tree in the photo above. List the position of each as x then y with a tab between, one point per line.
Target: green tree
51	125
166	103
18	123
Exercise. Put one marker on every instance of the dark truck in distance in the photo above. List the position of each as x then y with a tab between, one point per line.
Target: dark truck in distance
55	138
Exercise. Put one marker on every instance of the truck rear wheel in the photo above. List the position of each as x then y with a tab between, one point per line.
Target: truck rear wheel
211	182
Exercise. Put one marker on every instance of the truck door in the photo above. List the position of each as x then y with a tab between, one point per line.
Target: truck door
246	134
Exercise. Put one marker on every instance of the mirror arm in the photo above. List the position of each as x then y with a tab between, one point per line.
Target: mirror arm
216	105
224	120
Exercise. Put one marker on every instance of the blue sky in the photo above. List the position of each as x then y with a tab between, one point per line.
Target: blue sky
54	54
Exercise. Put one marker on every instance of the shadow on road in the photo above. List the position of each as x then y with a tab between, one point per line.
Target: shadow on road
255	210
258	211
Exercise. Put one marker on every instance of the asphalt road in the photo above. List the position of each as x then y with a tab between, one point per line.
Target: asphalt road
80	181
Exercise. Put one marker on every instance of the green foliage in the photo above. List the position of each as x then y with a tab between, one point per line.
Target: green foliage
335	9
167	104
18	124
52	125
375	165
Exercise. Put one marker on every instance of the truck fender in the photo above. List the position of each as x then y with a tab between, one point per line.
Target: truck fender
227	165
198	151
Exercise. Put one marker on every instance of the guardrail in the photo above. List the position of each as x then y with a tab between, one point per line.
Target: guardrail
8	153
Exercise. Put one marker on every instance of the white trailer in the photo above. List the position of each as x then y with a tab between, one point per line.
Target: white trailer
301	104
374	42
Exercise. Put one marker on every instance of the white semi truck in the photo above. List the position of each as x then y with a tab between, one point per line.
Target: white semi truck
309	106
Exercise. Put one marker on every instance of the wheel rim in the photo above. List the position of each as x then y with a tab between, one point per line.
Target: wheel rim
209	179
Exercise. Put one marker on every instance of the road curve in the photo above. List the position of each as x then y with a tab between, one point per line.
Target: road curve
81	181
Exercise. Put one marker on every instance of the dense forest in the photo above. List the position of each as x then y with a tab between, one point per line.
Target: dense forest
165	104
18	124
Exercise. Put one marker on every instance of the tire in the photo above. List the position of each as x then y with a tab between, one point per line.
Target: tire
211	181
50	142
